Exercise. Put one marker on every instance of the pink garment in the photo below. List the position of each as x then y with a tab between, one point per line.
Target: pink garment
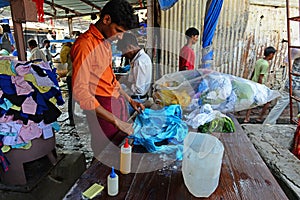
10	140
22	86
1	93
30	131
44	65
29	106
6	118
10	128
21	69
47	130
42	81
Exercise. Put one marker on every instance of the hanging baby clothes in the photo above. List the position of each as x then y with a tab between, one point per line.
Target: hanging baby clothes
154	126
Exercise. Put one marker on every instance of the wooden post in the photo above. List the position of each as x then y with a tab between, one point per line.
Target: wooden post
22	11
19	38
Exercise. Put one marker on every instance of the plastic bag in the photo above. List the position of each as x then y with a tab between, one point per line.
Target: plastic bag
224	92
201	164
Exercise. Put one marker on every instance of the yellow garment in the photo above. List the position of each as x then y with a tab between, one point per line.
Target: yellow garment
14	107
5	68
5	149
31	78
171	97
27	146
53	100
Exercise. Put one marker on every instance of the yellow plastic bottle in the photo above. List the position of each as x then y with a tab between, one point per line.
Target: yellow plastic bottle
125	162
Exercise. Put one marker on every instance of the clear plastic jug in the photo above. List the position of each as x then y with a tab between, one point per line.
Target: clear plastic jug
201	164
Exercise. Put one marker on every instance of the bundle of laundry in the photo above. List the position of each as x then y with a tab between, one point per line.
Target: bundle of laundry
29	96
224	92
155	126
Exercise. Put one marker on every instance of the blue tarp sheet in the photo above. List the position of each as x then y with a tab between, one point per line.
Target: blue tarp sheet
4	3
210	23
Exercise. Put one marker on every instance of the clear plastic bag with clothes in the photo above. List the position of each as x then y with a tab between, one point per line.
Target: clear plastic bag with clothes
224	92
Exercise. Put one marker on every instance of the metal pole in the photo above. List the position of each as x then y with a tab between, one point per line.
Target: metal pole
290	59
70	24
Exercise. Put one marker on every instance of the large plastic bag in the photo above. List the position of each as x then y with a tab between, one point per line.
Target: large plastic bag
224	92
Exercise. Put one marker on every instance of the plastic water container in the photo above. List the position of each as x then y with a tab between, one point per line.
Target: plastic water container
201	164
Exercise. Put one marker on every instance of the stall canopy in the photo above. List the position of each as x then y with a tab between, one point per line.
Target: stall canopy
213	9
73	8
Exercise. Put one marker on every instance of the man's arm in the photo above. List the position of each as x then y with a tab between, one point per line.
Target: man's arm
260	78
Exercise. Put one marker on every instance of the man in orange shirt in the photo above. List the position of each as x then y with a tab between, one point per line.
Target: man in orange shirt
95	86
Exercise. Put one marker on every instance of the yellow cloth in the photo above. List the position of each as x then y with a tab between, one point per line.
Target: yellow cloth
5	149
31	78
14	107
53	100
5	68
27	146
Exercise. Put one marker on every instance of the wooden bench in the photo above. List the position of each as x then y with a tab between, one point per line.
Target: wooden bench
244	175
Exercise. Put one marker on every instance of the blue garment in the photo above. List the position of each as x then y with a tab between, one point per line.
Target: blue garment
6	85
15	53
166	4
154	126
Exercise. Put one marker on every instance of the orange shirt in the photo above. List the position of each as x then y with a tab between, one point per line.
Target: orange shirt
92	69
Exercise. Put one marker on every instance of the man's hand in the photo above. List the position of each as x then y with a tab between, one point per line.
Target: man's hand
124	127
137	106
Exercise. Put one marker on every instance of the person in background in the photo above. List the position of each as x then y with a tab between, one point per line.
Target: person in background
66	59
284	100
94	83
187	54
261	71
35	51
14	51
46	50
140	74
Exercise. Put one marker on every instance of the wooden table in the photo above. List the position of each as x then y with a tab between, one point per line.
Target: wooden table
244	175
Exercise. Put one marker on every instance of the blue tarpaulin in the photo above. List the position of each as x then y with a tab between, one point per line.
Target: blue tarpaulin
166	4
4	3
210	23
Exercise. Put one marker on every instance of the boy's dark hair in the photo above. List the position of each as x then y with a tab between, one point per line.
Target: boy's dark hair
191	31
127	39
269	50
121	13
46	42
32	43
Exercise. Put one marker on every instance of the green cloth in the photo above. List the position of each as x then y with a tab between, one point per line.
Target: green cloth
261	67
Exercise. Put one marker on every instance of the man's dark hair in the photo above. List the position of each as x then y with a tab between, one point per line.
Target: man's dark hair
127	39
121	13
32	43
269	50
191	31
46	42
